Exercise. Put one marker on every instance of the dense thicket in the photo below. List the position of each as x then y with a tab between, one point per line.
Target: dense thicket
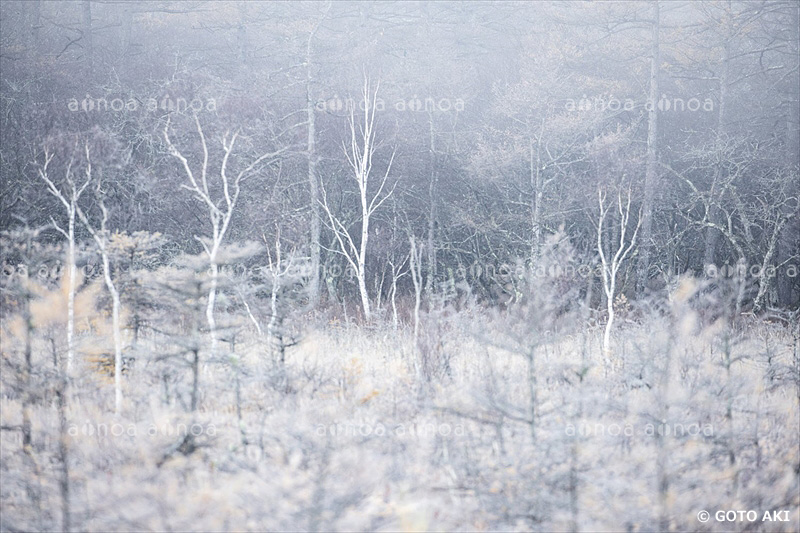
504	120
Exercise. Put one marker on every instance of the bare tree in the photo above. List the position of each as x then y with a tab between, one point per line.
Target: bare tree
312	157
652	153
397	273
69	199
102	239
283	272
415	264
735	220
359	156
220	211
611	265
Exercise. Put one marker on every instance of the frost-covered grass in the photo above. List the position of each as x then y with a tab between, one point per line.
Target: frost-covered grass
353	435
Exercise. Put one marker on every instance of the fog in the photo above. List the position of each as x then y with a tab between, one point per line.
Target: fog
380	266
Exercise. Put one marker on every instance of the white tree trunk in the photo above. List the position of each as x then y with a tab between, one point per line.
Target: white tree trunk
366	213
394	303
212	300
359	156
611	264
416	277
73	273
72	208
362	289
273	319
609	326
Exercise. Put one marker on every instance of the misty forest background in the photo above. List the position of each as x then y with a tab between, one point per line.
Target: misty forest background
399	265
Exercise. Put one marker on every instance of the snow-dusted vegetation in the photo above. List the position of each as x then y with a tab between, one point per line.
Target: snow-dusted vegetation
399	266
